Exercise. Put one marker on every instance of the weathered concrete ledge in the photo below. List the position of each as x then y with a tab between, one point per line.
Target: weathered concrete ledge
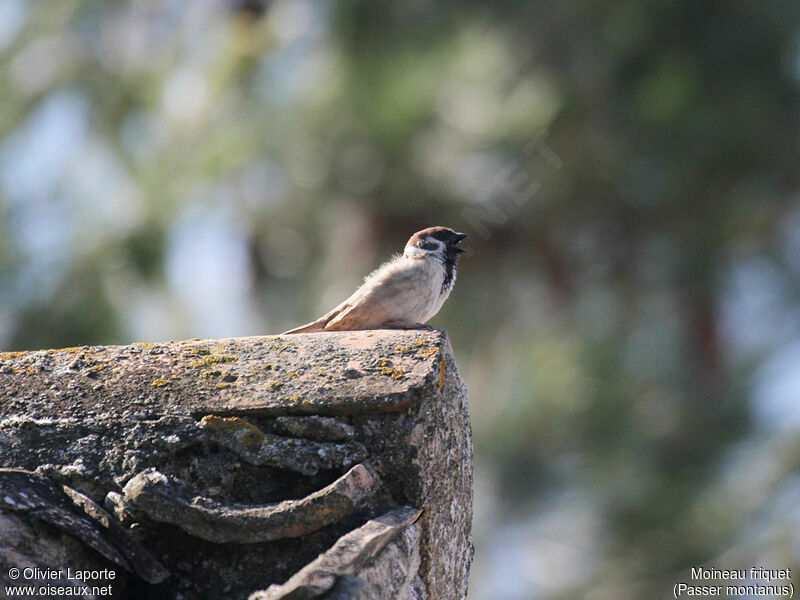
227	467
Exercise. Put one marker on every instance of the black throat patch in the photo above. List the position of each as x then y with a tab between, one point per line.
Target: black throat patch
449	263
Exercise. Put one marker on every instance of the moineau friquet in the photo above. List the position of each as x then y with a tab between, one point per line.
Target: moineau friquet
404	292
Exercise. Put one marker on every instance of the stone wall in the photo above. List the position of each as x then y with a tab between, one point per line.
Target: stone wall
330	465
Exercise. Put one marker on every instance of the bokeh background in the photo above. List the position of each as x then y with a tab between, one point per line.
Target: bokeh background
628	317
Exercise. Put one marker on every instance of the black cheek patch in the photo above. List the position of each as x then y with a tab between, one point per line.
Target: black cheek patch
428	245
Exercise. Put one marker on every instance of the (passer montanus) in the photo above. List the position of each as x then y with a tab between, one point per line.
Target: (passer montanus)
404	292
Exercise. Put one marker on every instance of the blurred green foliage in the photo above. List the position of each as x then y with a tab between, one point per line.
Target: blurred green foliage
627	171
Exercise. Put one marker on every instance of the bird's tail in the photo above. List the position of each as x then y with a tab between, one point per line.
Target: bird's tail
318	325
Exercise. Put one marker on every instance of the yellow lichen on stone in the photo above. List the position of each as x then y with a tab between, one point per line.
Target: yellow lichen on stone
163	382
12	355
295	398
428	352
422	342
394	372
280	347
273	384
213	359
293	374
71	350
199	351
244	431
147	345
384	362
402	348
223	385
442	373
209	374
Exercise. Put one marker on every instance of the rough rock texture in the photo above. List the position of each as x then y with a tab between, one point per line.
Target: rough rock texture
349	556
154	495
39	498
233	464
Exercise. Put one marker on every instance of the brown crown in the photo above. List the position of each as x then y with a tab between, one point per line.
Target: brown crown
443	234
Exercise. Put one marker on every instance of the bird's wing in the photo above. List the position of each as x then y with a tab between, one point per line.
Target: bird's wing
384	297
372	304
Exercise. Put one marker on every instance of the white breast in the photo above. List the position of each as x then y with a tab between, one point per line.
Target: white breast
432	295
405	289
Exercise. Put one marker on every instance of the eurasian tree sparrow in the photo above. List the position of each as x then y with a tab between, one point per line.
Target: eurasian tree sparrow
404	292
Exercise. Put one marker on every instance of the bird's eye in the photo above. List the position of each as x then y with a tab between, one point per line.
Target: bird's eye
428	245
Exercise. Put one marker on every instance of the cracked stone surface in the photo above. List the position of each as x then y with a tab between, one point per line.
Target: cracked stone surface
67	510
249	424
156	496
349	556
305	456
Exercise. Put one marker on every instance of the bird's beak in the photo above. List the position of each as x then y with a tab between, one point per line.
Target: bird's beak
455	239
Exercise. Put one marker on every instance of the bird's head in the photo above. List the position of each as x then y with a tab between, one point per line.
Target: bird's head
441	242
